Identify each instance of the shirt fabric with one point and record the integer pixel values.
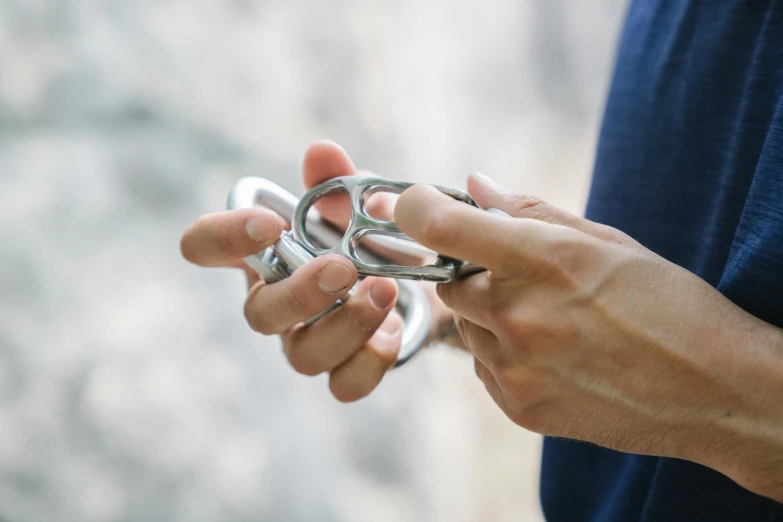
(690, 164)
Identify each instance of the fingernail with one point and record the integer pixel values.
(486, 180)
(381, 295)
(260, 229)
(334, 277)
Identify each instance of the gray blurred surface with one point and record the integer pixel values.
(130, 387)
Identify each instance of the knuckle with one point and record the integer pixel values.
(511, 322)
(563, 246)
(225, 240)
(445, 293)
(530, 207)
(258, 319)
(523, 327)
(566, 254)
(303, 364)
(345, 393)
(299, 303)
(521, 385)
(360, 320)
(357, 377)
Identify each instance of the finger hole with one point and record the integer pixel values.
(335, 208)
(380, 205)
(336, 211)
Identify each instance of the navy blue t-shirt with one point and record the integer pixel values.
(690, 164)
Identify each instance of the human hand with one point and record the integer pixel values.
(579, 331)
(357, 343)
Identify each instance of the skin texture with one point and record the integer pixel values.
(576, 329)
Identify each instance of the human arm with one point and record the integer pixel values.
(578, 331)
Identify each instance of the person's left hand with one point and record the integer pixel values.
(579, 331)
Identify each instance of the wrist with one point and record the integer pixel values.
(744, 439)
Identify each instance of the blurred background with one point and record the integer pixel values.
(130, 387)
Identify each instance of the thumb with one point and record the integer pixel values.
(489, 194)
(323, 161)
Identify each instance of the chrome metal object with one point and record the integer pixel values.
(363, 226)
(287, 254)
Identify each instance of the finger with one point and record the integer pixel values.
(337, 208)
(360, 374)
(274, 308)
(323, 161)
(333, 339)
(252, 276)
(222, 238)
(381, 205)
(481, 342)
(492, 386)
(450, 227)
(475, 298)
(489, 194)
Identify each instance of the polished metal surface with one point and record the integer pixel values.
(287, 254)
(362, 225)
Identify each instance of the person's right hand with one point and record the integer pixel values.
(357, 343)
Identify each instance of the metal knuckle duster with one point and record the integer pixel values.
(310, 236)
